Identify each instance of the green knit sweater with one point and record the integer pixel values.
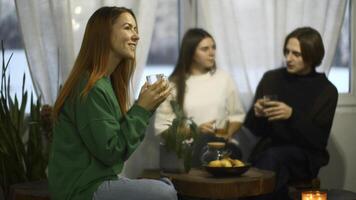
(91, 141)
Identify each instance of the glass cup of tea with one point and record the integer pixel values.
(221, 126)
(267, 98)
(270, 97)
(151, 79)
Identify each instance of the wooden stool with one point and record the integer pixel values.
(306, 184)
(296, 188)
(30, 191)
(2, 195)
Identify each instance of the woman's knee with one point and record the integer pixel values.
(136, 189)
(165, 192)
(170, 194)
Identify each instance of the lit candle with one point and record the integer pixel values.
(314, 195)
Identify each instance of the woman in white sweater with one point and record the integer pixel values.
(205, 93)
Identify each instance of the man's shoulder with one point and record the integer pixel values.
(329, 86)
(274, 73)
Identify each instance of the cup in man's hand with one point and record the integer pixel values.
(267, 98)
(270, 97)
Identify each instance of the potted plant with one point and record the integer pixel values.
(23, 141)
(178, 141)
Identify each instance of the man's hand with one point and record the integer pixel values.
(258, 108)
(277, 110)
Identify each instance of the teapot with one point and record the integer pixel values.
(214, 151)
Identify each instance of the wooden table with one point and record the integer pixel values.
(37, 190)
(200, 184)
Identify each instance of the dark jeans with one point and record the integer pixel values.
(290, 163)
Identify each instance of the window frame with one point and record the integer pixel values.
(349, 99)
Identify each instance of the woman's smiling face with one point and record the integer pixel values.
(124, 36)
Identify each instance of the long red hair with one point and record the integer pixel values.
(93, 58)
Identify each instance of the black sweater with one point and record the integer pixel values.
(313, 99)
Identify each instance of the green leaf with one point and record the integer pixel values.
(23, 84)
(19, 161)
(176, 136)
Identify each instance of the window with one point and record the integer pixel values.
(11, 35)
(165, 42)
(343, 73)
(340, 72)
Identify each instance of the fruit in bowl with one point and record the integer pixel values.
(226, 162)
(227, 167)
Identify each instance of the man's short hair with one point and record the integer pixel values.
(311, 45)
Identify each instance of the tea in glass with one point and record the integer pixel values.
(221, 127)
(151, 79)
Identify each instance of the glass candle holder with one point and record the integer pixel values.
(314, 195)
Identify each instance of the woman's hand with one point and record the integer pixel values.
(233, 128)
(277, 110)
(151, 96)
(207, 127)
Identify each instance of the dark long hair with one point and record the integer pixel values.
(93, 57)
(181, 72)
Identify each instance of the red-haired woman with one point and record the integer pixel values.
(94, 130)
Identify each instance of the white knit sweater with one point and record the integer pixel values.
(208, 97)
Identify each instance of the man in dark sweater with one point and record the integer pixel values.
(295, 127)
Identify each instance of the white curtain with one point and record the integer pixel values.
(250, 33)
(47, 35)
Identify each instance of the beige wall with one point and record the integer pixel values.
(341, 171)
